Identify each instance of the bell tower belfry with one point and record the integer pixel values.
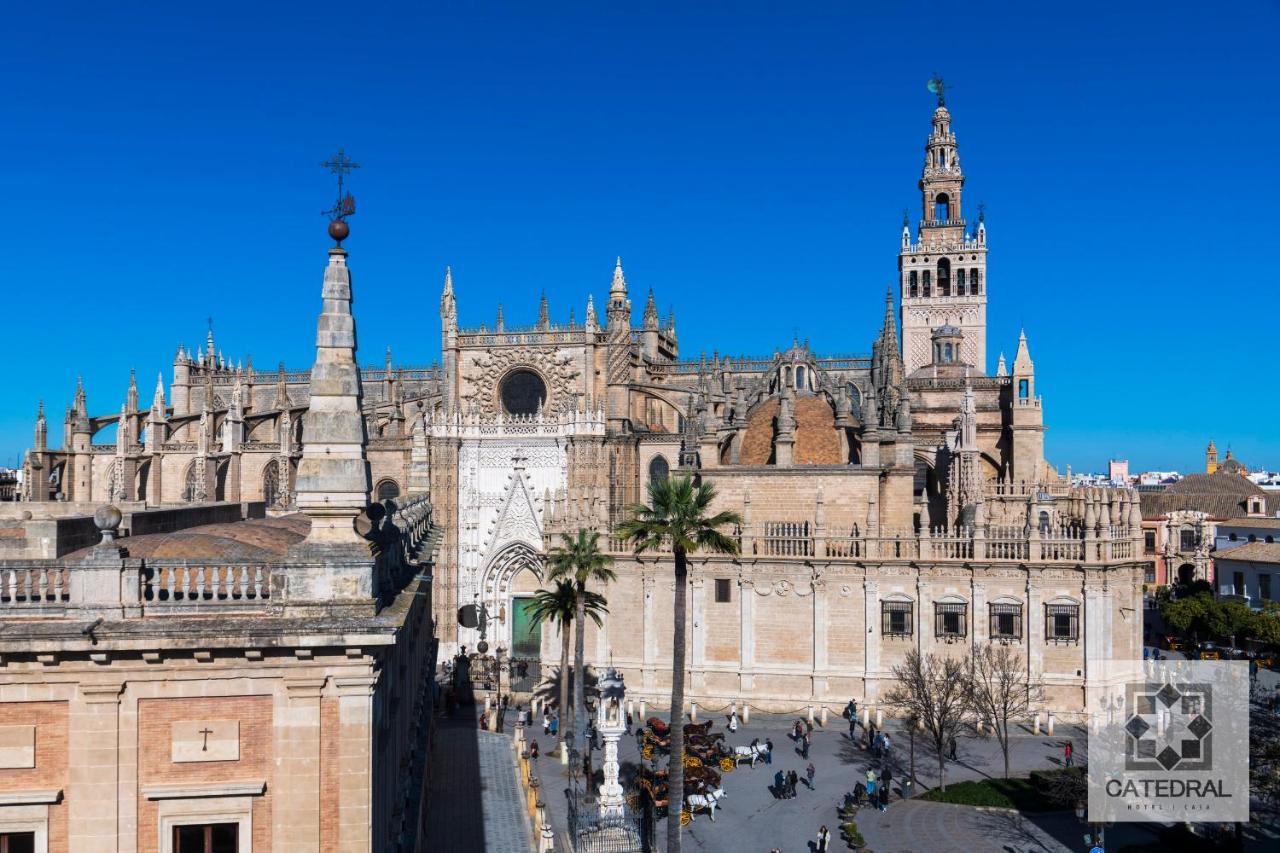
(943, 272)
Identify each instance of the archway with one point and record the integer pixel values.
(1186, 573)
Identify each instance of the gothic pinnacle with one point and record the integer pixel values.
(618, 287)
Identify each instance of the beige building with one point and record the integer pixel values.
(218, 681)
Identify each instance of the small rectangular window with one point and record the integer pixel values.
(1264, 586)
(1149, 542)
(949, 620)
(722, 591)
(17, 842)
(1006, 621)
(896, 618)
(1062, 622)
(1237, 579)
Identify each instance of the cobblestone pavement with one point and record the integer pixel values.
(916, 825)
(474, 802)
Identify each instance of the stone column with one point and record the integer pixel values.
(650, 654)
(93, 765)
(355, 761)
(698, 628)
(1035, 630)
(819, 638)
(295, 809)
(747, 635)
(871, 603)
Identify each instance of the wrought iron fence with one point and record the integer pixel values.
(590, 832)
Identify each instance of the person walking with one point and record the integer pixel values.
(809, 774)
(768, 755)
(805, 742)
(951, 748)
(533, 749)
(886, 788)
(871, 775)
(853, 727)
(779, 784)
(871, 789)
(887, 747)
(1068, 754)
(555, 725)
(824, 840)
(793, 779)
(546, 723)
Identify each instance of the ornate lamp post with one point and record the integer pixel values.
(611, 724)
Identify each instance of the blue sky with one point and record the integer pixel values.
(748, 161)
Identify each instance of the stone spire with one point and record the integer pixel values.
(650, 312)
(42, 428)
(80, 410)
(573, 320)
(592, 321)
(157, 400)
(1001, 369)
(618, 287)
(448, 304)
(544, 313)
(333, 476)
(1211, 458)
(282, 389)
(1022, 360)
(500, 324)
(784, 444)
(131, 396)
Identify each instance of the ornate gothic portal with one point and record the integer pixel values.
(503, 483)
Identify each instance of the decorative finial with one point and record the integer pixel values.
(341, 165)
(982, 211)
(939, 88)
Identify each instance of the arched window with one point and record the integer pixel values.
(659, 470)
(914, 287)
(942, 208)
(944, 277)
(855, 399)
(974, 288)
(1024, 389)
(523, 392)
(786, 374)
(946, 353)
(1044, 522)
(928, 289)
(800, 378)
(960, 282)
(271, 483)
(388, 490)
(191, 485)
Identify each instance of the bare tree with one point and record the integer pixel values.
(934, 690)
(1000, 692)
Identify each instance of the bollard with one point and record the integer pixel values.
(1050, 725)
(693, 712)
(519, 735)
(1035, 725)
(811, 715)
(866, 717)
(824, 716)
(642, 717)
(564, 754)
(746, 714)
(486, 704)
(630, 707)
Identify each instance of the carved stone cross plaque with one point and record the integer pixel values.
(205, 740)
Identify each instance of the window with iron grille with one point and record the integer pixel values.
(950, 620)
(1062, 622)
(895, 618)
(1006, 621)
(722, 590)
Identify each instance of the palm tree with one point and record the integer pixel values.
(677, 517)
(560, 605)
(579, 560)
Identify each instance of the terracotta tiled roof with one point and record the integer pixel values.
(1260, 523)
(261, 539)
(1221, 494)
(1254, 552)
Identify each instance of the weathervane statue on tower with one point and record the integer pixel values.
(341, 165)
(939, 88)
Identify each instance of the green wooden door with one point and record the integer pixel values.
(526, 637)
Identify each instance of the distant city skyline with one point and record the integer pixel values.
(749, 166)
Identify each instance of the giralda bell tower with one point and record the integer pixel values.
(943, 274)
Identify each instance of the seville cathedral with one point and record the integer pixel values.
(891, 501)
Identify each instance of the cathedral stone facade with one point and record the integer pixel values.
(894, 500)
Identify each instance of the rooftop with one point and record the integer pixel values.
(1254, 552)
(256, 540)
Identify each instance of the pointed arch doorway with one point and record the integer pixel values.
(511, 580)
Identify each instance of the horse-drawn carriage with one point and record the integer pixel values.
(701, 791)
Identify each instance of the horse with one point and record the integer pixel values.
(705, 801)
(751, 752)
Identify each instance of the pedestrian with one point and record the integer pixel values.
(809, 773)
(768, 755)
(804, 745)
(871, 788)
(851, 711)
(1068, 754)
(952, 747)
(533, 749)
(555, 724)
(797, 729)
(853, 727)
(887, 746)
(808, 725)
(733, 722)
(779, 784)
(793, 779)
(886, 788)
(877, 744)
(546, 723)
(628, 722)
(484, 721)
(824, 839)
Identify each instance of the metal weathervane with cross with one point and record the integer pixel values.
(340, 164)
(939, 88)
